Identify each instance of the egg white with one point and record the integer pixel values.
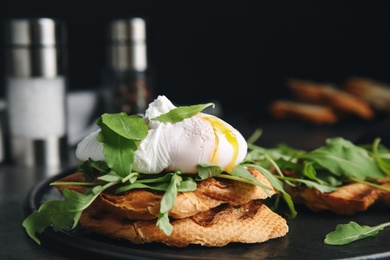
(201, 139)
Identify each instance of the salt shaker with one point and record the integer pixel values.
(36, 91)
(126, 83)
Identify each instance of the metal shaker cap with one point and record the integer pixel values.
(127, 44)
(127, 30)
(35, 47)
(35, 32)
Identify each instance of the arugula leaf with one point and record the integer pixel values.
(343, 158)
(282, 155)
(110, 177)
(158, 186)
(54, 213)
(347, 233)
(132, 177)
(131, 127)
(206, 171)
(309, 170)
(91, 169)
(118, 152)
(372, 184)
(167, 202)
(187, 184)
(160, 182)
(382, 156)
(241, 172)
(120, 134)
(311, 184)
(329, 179)
(180, 113)
(278, 185)
(59, 214)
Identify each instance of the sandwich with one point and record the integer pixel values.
(175, 176)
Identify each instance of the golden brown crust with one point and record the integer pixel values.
(327, 95)
(218, 212)
(145, 204)
(252, 222)
(346, 200)
(283, 109)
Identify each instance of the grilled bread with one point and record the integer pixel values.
(218, 212)
(346, 200)
(252, 222)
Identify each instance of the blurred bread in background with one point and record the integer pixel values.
(326, 103)
(283, 109)
(377, 94)
(329, 95)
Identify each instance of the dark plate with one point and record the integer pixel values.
(303, 241)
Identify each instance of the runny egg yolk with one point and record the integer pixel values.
(221, 128)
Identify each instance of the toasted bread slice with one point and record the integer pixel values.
(252, 222)
(346, 200)
(283, 109)
(328, 95)
(145, 204)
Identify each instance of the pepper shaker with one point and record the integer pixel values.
(36, 91)
(126, 83)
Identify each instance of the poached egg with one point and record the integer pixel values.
(181, 146)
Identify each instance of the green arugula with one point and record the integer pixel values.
(348, 233)
(278, 185)
(159, 182)
(180, 113)
(61, 214)
(342, 158)
(167, 202)
(239, 173)
(120, 135)
(326, 168)
(381, 154)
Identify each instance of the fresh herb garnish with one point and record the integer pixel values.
(330, 166)
(381, 155)
(91, 168)
(342, 158)
(61, 214)
(180, 113)
(326, 168)
(348, 233)
(120, 136)
(167, 202)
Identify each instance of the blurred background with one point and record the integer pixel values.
(237, 52)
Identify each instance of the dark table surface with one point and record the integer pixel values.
(17, 181)
(15, 185)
